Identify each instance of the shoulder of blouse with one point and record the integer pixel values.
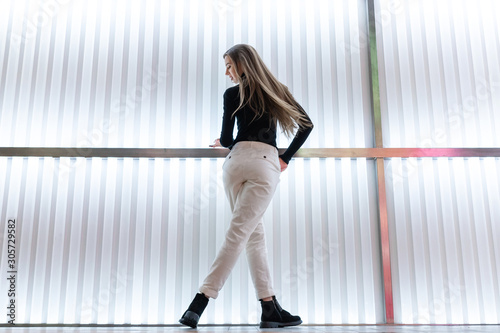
(232, 91)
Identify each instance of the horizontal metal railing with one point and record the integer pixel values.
(222, 152)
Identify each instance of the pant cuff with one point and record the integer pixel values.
(265, 294)
(209, 292)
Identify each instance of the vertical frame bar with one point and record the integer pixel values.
(384, 241)
(382, 199)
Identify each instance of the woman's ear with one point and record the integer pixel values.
(240, 69)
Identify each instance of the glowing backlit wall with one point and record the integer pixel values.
(130, 240)
(107, 240)
(439, 67)
(445, 239)
(122, 240)
(145, 74)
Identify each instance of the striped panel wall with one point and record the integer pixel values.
(118, 241)
(439, 67)
(439, 79)
(128, 241)
(445, 248)
(150, 73)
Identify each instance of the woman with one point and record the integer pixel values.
(251, 173)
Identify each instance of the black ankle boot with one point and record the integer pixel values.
(193, 313)
(274, 316)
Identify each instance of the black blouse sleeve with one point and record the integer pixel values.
(298, 141)
(226, 135)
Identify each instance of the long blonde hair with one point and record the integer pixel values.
(265, 92)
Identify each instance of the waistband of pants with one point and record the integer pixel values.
(257, 145)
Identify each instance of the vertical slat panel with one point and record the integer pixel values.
(439, 77)
(440, 69)
(150, 73)
(116, 240)
(443, 224)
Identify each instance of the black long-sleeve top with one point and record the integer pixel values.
(260, 129)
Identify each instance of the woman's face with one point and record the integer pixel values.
(230, 69)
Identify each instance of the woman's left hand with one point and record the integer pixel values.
(216, 144)
(283, 165)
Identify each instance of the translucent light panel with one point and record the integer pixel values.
(445, 239)
(113, 241)
(150, 73)
(439, 66)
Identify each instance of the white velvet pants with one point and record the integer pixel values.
(251, 173)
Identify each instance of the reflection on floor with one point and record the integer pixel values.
(297, 329)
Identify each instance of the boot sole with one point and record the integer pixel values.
(275, 324)
(190, 319)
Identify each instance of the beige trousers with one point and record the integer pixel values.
(251, 173)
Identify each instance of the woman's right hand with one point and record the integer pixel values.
(283, 165)
(216, 143)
